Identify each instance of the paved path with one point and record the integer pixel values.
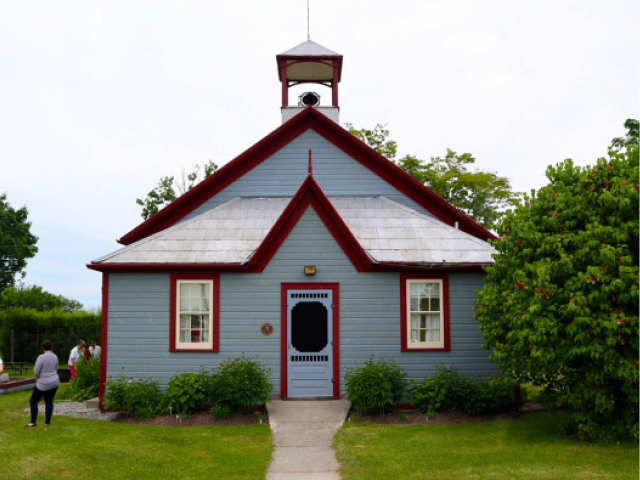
(303, 433)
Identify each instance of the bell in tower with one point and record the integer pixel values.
(309, 63)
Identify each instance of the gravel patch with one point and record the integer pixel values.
(78, 410)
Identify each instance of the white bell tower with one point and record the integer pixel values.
(309, 63)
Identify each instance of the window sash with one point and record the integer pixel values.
(425, 313)
(194, 315)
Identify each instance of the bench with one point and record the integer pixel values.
(17, 367)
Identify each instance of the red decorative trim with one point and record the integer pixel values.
(308, 118)
(403, 310)
(334, 84)
(215, 328)
(335, 289)
(104, 340)
(309, 194)
(283, 343)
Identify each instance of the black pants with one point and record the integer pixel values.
(36, 396)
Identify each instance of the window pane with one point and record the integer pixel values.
(434, 321)
(204, 305)
(435, 304)
(415, 321)
(205, 335)
(434, 290)
(424, 304)
(414, 303)
(414, 336)
(434, 335)
(184, 321)
(195, 336)
(423, 335)
(423, 321)
(184, 335)
(415, 289)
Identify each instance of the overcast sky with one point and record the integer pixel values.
(99, 99)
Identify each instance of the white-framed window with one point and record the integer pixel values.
(194, 319)
(425, 315)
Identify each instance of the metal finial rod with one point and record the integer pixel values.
(308, 31)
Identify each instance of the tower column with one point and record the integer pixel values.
(285, 87)
(334, 84)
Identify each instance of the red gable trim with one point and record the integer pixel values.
(309, 118)
(310, 194)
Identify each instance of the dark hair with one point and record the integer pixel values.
(46, 345)
(81, 342)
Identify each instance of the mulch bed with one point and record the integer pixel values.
(198, 420)
(443, 418)
(440, 418)
(392, 418)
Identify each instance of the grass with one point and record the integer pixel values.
(115, 451)
(531, 448)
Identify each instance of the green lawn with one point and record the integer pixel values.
(532, 448)
(80, 448)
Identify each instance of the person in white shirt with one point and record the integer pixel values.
(94, 349)
(73, 358)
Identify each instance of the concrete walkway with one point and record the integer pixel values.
(303, 433)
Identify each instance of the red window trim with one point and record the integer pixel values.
(403, 310)
(215, 328)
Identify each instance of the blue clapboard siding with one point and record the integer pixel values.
(369, 314)
(282, 174)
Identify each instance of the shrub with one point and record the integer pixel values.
(239, 384)
(185, 393)
(436, 393)
(482, 397)
(139, 398)
(86, 382)
(220, 412)
(376, 385)
(448, 389)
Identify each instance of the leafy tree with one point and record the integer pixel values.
(560, 304)
(480, 195)
(165, 193)
(17, 243)
(376, 139)
(33, 296)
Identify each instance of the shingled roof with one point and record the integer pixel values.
(389, 233)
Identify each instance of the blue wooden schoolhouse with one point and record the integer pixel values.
(309, 250)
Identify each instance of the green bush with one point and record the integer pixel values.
(141, 398)
(435, 394)
(448, 389)
(86, 382)
(239, 383)
(376, 385)
(185, 393)
(220, 412)
(31, 327)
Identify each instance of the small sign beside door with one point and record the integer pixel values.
(266, 329)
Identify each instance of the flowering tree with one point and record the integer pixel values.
(560, 304)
